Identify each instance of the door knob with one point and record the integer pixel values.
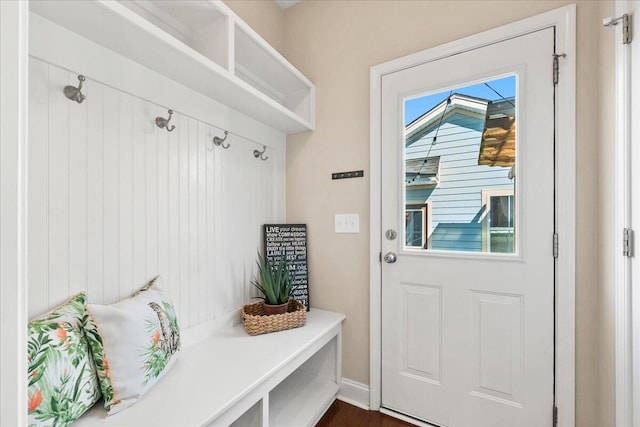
(390, 258)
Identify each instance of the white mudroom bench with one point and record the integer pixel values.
(229, 378)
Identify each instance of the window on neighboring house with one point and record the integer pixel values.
(498, 226)
(413, 225)
(416, 226)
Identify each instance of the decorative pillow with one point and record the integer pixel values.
(133, 342)
(62, 379)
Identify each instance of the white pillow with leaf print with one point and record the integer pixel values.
(62, 378)
(133, 343)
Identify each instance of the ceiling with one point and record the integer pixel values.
(287, 3)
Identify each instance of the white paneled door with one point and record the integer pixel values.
(467, 236)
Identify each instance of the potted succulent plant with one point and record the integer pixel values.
(275, 285)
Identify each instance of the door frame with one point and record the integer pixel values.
(627, 381)
(14, 21)
(564, 20)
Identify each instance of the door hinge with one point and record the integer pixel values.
(627, 242)
(555, 245)
(555, 416)
(380, 257)
(556, 66)
(626, 26)
(626, 29)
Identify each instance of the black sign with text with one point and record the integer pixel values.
(290, 240)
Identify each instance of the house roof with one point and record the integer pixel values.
(428, 170)
(460, 103)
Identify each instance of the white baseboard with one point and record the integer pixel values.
(357, 394)
(354, 393)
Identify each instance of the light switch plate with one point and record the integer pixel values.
(347, 223)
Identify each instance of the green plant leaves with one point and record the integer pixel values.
(274, 281)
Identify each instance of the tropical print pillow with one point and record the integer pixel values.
(133, 343)
(62, 379)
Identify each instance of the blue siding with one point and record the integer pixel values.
(456, 202)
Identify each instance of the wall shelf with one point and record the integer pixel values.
(200, 44)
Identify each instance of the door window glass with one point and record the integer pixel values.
(459, 148)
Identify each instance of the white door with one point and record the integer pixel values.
(468, 280)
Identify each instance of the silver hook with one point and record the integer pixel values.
(74, 93)
(217, 141)
(161, 122)
(259, 154)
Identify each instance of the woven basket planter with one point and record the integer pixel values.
(256, 322)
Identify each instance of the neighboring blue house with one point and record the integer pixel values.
(460, 176)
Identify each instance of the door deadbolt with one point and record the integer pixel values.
(391, 234)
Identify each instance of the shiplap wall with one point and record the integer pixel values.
(457, 200)
(114, 200)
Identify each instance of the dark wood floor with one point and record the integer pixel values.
(342, 414)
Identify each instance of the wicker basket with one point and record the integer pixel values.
(256, 322)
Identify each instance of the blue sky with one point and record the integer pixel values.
(414, 108)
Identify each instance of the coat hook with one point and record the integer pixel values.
(260, 154)
(217, 141)
(74, 93)
(161, 122)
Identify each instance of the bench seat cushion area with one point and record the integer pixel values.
(215, 380)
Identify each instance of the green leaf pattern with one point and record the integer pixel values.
(100, 360)
(155, 354)
(62, 381)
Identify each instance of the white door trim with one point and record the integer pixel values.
(13, 150)
(564, 19)
(624, 412)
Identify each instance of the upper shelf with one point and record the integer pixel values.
(201, 44)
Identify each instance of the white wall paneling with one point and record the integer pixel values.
(115, 200)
